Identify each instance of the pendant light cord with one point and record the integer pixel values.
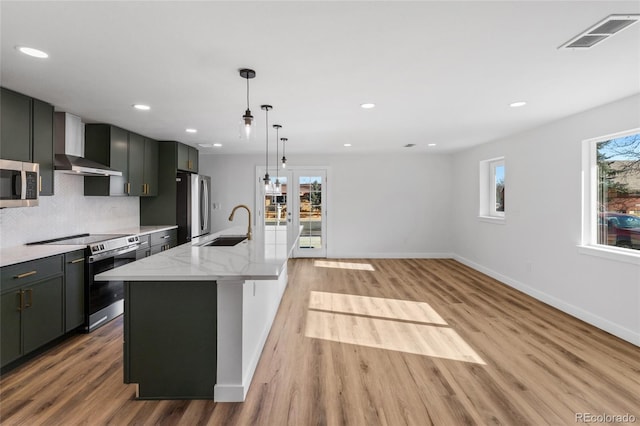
(267, 130)
(247, 92)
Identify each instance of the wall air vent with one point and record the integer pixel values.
(604, 29)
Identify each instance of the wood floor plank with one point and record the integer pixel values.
(365, 342)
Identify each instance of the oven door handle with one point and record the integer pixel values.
(101, 256)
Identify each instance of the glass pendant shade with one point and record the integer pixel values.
(284, 159)
(247, 118)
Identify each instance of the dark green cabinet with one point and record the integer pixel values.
(42, 319)
(163, 240)
(136, 156)
(10, 326)
(15, 134)
(187, 158)
(31, 298)
(170, 339)
(162, 209)
(136, 164)
(107, 145)
(27, 134)
(42, 115)
(143, 166)
(74, 290)
(150, 173)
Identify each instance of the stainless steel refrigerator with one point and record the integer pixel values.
(194, 206)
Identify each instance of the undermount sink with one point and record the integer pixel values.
(227, 240)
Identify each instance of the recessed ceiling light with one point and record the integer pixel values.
(347, 144)
(217, 145)
(191, 130)
(517, 104)
(32, 52)
(206, 145)
(142, 107)
(432, 144)
(368, 106)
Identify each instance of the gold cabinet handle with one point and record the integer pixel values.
(30, 302)
(40, 184)
(26, 274)
(77, 260)
(21, 306)
(127, 188)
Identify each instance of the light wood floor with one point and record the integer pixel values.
(413, 342)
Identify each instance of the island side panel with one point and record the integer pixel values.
(229, 385)
(246, 310)
(170, 338)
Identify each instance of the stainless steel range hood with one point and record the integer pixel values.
(69, 143)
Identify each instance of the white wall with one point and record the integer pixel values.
(535, 250)
(378, 205)
(68, 212)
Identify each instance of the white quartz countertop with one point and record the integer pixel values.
(25, 253)
(143, 230)
(262, 258)
(19, 254)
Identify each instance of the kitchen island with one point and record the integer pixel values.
(197, 317)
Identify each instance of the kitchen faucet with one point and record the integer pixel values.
(248, 211)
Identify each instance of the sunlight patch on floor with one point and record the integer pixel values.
(343, 265)
(392, 324)
(421, 339)
(406, 310)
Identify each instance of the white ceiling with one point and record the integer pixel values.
(439, 72)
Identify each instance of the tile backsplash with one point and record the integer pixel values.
(68, 212)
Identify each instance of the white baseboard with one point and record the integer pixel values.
(595, 320)
(229, 393)
(390, 255)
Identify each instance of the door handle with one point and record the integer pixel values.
(77, 260)
(26, 274)
(30, 302)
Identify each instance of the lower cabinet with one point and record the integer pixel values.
(31, 299)
(42, 314)
(74, 290)
(163, 240)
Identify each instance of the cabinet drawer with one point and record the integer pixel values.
(164, 236)
(28, 272)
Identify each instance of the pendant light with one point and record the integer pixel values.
(277, 187)
(284, 159)
(266, 179)
(247, 118)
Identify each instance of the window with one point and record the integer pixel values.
(492, 188)
(612, 191)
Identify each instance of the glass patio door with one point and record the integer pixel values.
(309, 211)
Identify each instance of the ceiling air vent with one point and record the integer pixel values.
(410, 145)
(604, 29)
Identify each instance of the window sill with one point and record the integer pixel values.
(492, 219)
(619, 255)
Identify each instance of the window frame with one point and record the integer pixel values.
(487, 190)
(589, 235)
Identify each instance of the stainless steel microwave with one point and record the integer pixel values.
(19, 183)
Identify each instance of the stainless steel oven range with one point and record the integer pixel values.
(104, 300)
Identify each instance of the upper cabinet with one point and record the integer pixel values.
(107, 145)
(16, 126)
(134, 155)
(143, 166)
(27, 134)
(43, 152)
(187, 158)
